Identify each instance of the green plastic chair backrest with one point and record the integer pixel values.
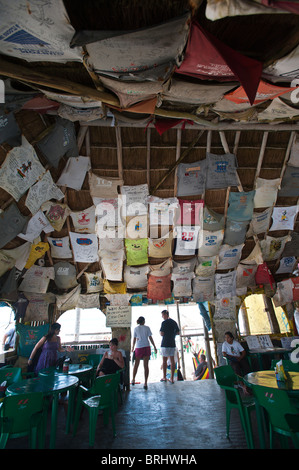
(94, 359)
(20, 408)
(225, 376)
(105, 386)
(10, 375)
(279, 407)
(287, 364)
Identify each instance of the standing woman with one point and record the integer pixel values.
(142, 335)
(50, 345)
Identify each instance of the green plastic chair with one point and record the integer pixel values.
(10, 375)
(22, 415)
(287, 364)
(101, 396)
(227, 380)
(94, 360)
(283, 415)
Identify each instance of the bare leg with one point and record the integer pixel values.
(164, 367)
(136, 365)
(172, 368)
(146, 369)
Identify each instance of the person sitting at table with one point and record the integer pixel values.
(47, 346)
(112, 360)
(235, 354)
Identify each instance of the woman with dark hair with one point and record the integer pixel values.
(50, 345)
(142, 335)
(112, 360)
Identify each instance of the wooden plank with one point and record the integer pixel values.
(148, 156)
(20, 72)
(177, 156)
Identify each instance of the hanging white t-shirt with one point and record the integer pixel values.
(142, 332)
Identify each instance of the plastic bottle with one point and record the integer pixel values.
(65, 367)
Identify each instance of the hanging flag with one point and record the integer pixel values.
(265, 91)
(206, 57)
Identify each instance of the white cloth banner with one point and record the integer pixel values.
(225, 284)
(84, 221)
(260, 222)
(110, 244)
(286, 265)
(206, 266)
(112, 264)
(37, 31)
(102, 187)
(225, 309)
(36, 225)
(137, 227)
(37, 279)
(186, 240)
(162, 211)
(68, 301)
(284, 218)
(182, 284)
(42, 191)
(211, 243)
(108, 212)
(94, 282)
(85, 247)
(88, 301)
(284, 293)
(134, 199)
(266, 192)
(20, 170)
(135, 277)
(229, 256)
(272, 248)
(74, 172)
(60, 247)
(203, 288)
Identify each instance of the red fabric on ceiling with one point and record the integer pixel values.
(207, 57)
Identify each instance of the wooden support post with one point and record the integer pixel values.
(271, 315)
(148, 156)
(181, 341)
(208, 351)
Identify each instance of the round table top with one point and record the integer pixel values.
(47, 385)
(267, 378)
(74, 369)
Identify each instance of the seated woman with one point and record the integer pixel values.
(112, 361)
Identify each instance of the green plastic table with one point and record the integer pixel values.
(268, 352)
(50, 385)
(267, 378)
(78, 370)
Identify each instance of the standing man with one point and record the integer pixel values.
(169, 329)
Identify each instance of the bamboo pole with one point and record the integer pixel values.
(181, 341)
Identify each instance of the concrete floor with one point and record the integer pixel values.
(184, 415)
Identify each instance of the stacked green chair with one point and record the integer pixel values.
(287, 364)
(23, 415)
(282, 413)
(227, 380)
(101, 396)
